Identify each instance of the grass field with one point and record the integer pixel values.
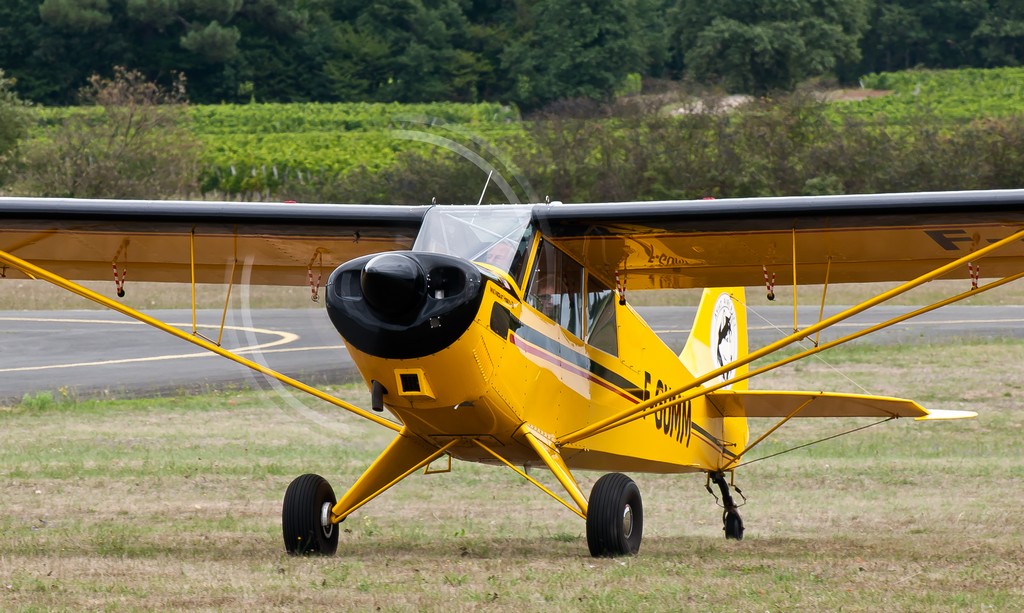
(174, 504)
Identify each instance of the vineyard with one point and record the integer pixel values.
(958, 96)
(249, 148)
(255, 148)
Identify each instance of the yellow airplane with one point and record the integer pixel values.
(504, 334)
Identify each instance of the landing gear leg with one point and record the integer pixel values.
(733, 523)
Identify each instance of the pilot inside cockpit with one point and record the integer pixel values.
(556, 288)
(499, 254)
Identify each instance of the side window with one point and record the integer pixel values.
(556, 288)
(601, 330)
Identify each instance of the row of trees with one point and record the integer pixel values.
(528, 52)
(787, 146)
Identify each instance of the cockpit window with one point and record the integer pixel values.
(556, 288)
(493, 234)
(601, 329)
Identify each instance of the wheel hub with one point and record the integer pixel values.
(325, 519)
(627, 521)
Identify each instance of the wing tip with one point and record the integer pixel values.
(946, 414)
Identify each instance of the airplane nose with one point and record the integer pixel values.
(404, 304)
(393, 284)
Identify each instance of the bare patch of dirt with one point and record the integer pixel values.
(722, 104)
(853, 94)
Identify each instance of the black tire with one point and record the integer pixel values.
(733, 526)
(615, 517)
(300, 517)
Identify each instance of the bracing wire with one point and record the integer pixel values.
(803, 344)
(821, 440)
(834, 369)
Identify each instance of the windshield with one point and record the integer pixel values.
(493, 234)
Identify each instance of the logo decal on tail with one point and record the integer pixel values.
(724, 336)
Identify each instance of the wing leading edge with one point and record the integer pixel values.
(834, 239)
(272, 244)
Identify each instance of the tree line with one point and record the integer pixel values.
(792, 145)
(526, 52)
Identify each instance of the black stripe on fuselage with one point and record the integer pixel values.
(503, 322)
(563, 352)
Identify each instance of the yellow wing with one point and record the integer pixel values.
(859, 238)
(647, 245)
(269, 244)
(764, 403)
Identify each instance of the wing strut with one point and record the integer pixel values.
(404, 456)
(694, 389)
(37, 272)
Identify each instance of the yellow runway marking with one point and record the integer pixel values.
(284, 338)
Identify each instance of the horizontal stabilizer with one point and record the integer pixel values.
(765, 403)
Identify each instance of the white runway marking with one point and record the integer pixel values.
(283, 338)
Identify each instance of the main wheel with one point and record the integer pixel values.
(305, 517)
(615, 517)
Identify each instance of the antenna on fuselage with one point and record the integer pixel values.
(486, 183)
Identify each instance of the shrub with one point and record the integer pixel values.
(137, 145)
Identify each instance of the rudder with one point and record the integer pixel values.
(718, 335)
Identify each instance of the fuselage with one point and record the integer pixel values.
(470, 350)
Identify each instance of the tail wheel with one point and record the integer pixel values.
(305, 517)
(733, 525)
(615, 517)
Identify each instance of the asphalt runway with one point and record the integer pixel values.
(101, 353)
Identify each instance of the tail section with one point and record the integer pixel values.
(719, 334)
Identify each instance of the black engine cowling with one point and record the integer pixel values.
(403, 304)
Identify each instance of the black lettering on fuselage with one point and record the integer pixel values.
(673, 421)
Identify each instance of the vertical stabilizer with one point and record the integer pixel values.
(719, 334)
